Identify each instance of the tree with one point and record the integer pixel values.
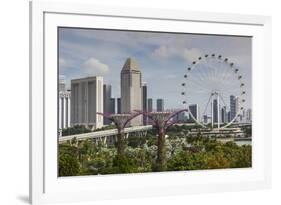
(68, 162)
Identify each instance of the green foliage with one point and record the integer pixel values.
(108, 127)
(136, 141)
(68, 161)
(187, 161)
(248, 131)
(183, 152)
(77, 129)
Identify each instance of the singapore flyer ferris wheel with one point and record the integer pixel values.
(213, 91)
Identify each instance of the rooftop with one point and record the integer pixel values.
(131, 64)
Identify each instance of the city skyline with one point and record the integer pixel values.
(84, 52)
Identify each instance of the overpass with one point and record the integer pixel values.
(107, 136)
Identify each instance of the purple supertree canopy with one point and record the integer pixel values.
(120, 120)
(163, 119)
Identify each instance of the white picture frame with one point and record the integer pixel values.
(46, 187)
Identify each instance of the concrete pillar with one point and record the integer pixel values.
(64, 112)
(60, 111)
(69, 112)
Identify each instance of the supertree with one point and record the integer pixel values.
(161, 121)
(120, 121)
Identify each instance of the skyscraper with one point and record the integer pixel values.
(63, 106)
(112, 105)
(131, 90)
(160, 105)
(149, 104)
(87, 100)
(233, 107)
(119, 105)
(228, 116)
(223, 115)
(106, 102)
(249, 115)
(144, 102)
(205, 119)
(61, 84)
(194, 109)
(215, 110)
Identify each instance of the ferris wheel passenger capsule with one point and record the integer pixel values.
(226, 59)
(231, 64)
(183, 84)
(199, 58)
(194, 62)
(185, 76)
(239, 77)
(183, 93)
(206, 56)
(219, 56)
(213, 55)
(188, 68)
(242, 84)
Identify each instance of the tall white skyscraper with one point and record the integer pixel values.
(64, 102)
(131, 90)
(87, 100)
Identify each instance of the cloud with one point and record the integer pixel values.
(93, 67)
(191, 54)
(166, 51)
(61, 62)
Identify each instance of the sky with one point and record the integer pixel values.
(163, 59)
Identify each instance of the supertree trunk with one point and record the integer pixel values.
(120, 142)
(161, 152)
